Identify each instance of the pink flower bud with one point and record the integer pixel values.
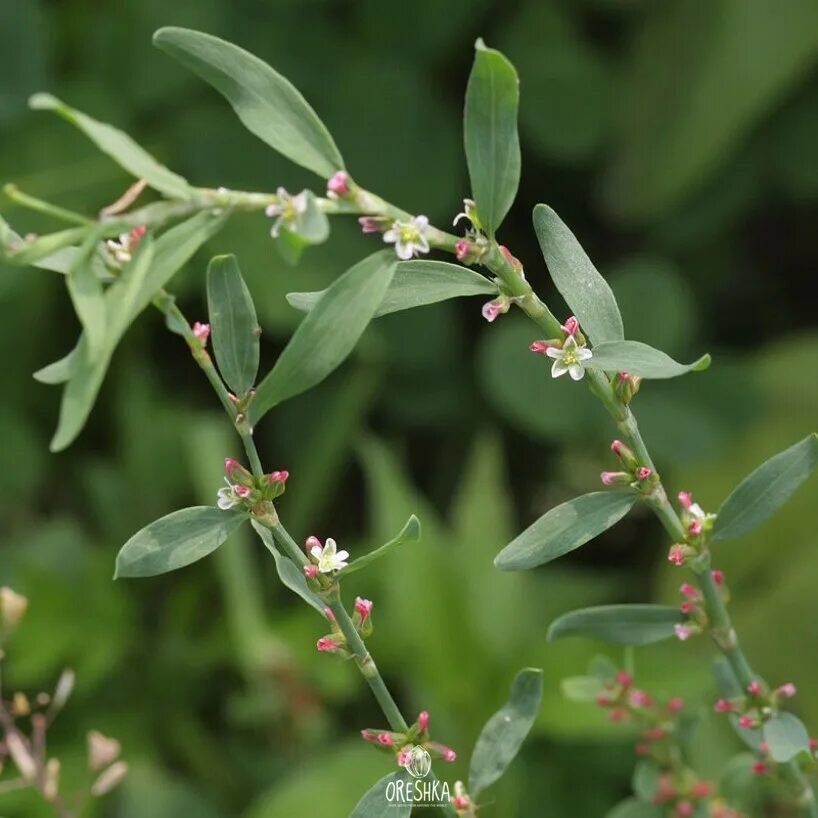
(763, 747)
(615, 478)
(461, 802)
(754, 688)
(461, 249)
(723, 706)
(201, 331)
(638, 698)
(338, 183)
(449, 755)
(369, 224)
(328, 613)
(490, 311)
(746, 722)
(813, 744)
(403, 758)
(137, 234)
(683, 632)
(507, 254)
(675, 704)
(624, 678)
(570, 326)
(369, 735)
(617, 446)
(654, 734)
(718, 577)
(687, 607)
(676, 555)
(686, 589)
(310, 571)
(384, 739)
(617, 715)
(602, 700)
(684, 809)
(232, 398)
(642, 749)
(759, 768)
(423, 721)
(326, 645)
(241, 491)
(363, 607)
(685, 499)
(311, 542)
(694, 528)
(231, 465)
(643, 472)
(787, 690)
(538, 347)
(701, 789)
(279, 477)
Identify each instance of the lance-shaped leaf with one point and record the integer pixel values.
(504, 733)
(585, 291)
(327, 334)
(233, 324)
(40, 251)
(288, 571)
(374, 804)
(490, 135)
(124, 300)
(87, 296)
(60, 371)
(764, 491)
(409, 533)
(120, 147)
(786, 737)
(637, 358)
(619, 624)
(176, 540)
(415, 284)
(268, 104)
(564, 528)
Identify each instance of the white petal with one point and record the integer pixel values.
(330, 547)
(576, 371)
(272, 210)
(554, 352)
(316, 552)
(570, 343)
(558, 369)
(404, 251)
(422, 245)
(421, 222)
(341, 556)
(390, 235)
(584, 354)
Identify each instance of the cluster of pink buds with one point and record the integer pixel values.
(201, 332)
(569, 353)
(626, 386)
(339, 185)
(411, 747)
(633, 474)
(757, 704)
(696, 521)
(693, 608)
(374, 224)
(624, 702)
(461, 802)
(335, 641)
(124, 249)
(682, 796)
(244, 489)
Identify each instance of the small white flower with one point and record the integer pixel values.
(569, 359)
(288, 211)
(123, 250)
(226, 497)
(409, 238)
(329, 558)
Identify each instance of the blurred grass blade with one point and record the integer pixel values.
(288, 571)
(786, 737)
(503, 735)
(87, 295)
(637, 358)
(764, 491)
(327, 334)
(415, 284)
(233, 324)
(585, 291)
(120, 147)
(409, 533)
(374, 803)
(124, 300)
(619, 624)
(490, 135)
(565, 528)
(268, 104)
(176, 540)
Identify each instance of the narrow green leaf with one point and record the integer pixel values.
(585, 291)
(409, 533)
(564, 528)
(268, 104)
(60, 371)
(786, 737)
(22, 252)
(374, 804)
(124, 300)
(619, 624)
(120, 147)
(415, 284)
(504, 733)
(764, 491)
(87, 296)
(328, 334)
(490, 135)
(288, 571)
(582, 688)
(637, 358)
(233, 324)
(634, 808)
(176, 540)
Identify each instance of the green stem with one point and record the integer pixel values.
(38, 205)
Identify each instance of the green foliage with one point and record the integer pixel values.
(372, 804)
(503, 735)
(565, 528)
(409, 533)
(176, 540)
(328, 334)
(634, 808)
(490, 135)
(638, 624)
(87, 295)
(786, 737)
(764, 491)
(267, 103)
(233, 324)
(637, 358)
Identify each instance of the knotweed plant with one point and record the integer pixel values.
(121, 261)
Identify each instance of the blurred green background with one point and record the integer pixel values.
(680, 142)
